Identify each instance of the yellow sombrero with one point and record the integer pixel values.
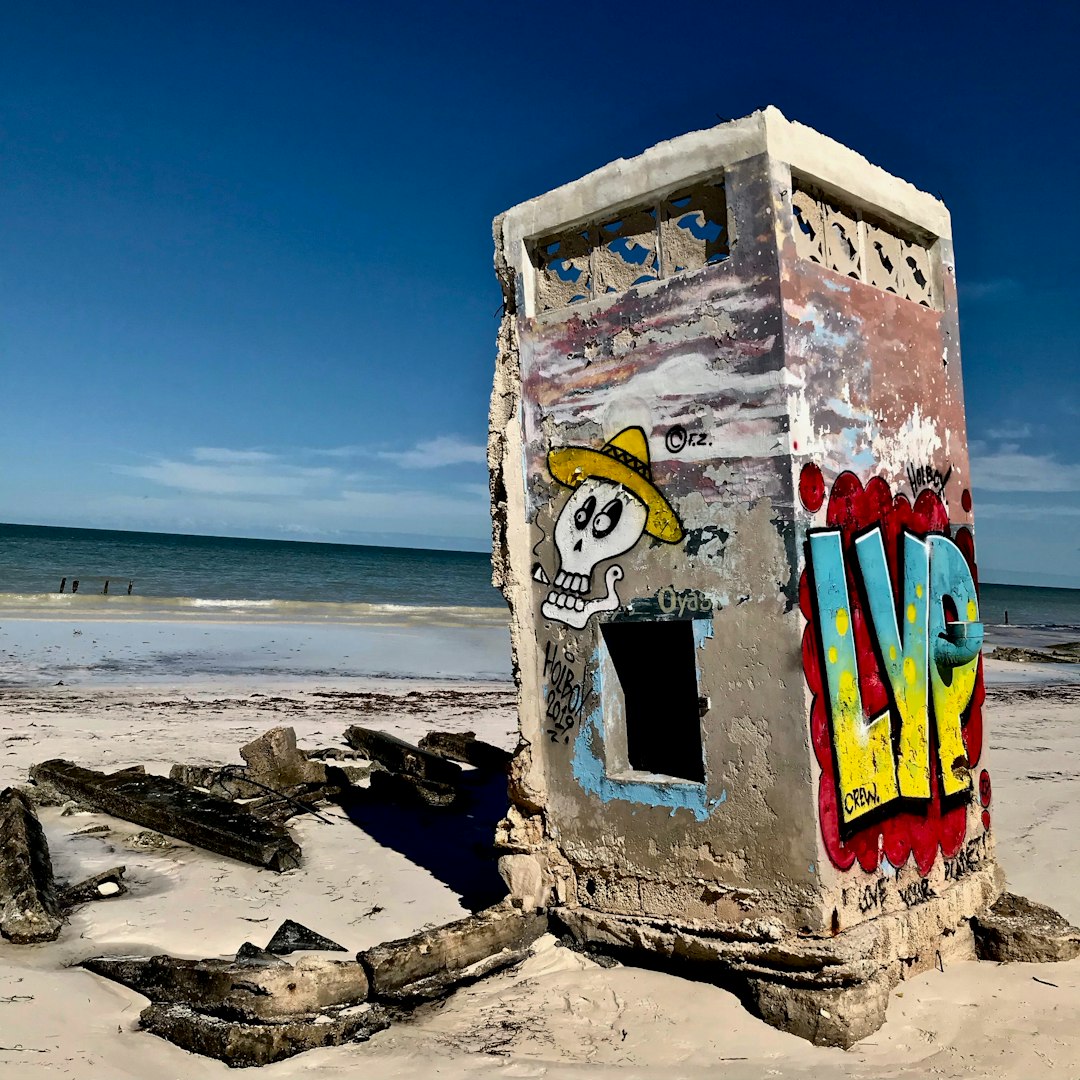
(625, 460)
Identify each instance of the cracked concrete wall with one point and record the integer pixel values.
(646, 447)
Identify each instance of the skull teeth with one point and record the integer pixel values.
(560, 599)
(578, 583)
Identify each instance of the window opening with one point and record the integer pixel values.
(656, 666)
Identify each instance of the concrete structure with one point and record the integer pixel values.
(733, 523)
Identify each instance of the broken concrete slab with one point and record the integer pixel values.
(251, 954)
(465, 746)
(411, 790)
(241, 989)
(104, 886)
(1016, 930)
(242, 1045)
(157, 802)
(292, 936)
(29, 908)
(401, 757)
(398, 970)
(274, 760)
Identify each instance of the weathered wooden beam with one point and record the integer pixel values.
(29, 908)
(242, 1045)
(157, 802)
(103, 886)
(465, 746)
(401, 757)
(448, 955)
(249, 989)
(412, 791)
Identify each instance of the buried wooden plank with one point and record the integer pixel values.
(396, 966)
(401, 757)
(29, 906)
(242, 1045)
(465, 746)
(103, 886)
(250, 988)
(157, 802)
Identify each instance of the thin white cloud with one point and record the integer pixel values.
(1010, 470)
(222, 456)
(438, 452)
(1011, 430)
(993, 287)
(244, 477)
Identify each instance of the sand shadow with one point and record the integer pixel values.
(455, 845)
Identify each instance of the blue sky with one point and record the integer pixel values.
(245, 254)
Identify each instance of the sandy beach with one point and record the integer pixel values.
(559, 1014)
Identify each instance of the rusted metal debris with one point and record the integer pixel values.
(157, 802)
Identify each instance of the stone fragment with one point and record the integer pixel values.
(526, 881)
(242, 989)
(401, 969)
(827, 1016)
(242, 1045)
(166, 805)
(411, 790)
(292, 936)
(250, 954)
(274, 760)
(29, 909)
(1016, 929)
(101, 886)
(465, 746)
(401, 757)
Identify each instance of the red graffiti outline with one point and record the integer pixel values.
(852, 509)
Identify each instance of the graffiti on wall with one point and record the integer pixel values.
(613, 503)
(891, 653)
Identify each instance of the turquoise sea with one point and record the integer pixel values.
(228, 571)
(170, 572)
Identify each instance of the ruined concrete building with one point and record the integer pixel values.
(733, 521)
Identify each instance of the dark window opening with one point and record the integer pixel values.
(655, 665)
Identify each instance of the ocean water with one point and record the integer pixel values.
(172, 571)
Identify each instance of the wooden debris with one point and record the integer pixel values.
(103, 886)
(248, 989)
(411, 790)
(242, 1045)
(465, 746)
(401, 757)
(449, 955)
(166, 805)
(295, 937)
(29, 908)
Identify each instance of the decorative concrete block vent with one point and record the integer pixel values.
(733, 521)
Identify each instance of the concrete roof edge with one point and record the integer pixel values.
(837, 166)
(629, 181)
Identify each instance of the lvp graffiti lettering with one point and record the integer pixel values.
(565, 692)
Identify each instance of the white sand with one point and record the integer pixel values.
(559, 1015)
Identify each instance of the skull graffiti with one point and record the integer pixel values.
(612, 505)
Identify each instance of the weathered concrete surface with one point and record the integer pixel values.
(242, 1045)
(1017, 930)
(156, 802)
(789, 979)
(433, 961)
(29, 908)
(248, 989)
(401, 757)
(465, 746)
(292, 936)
